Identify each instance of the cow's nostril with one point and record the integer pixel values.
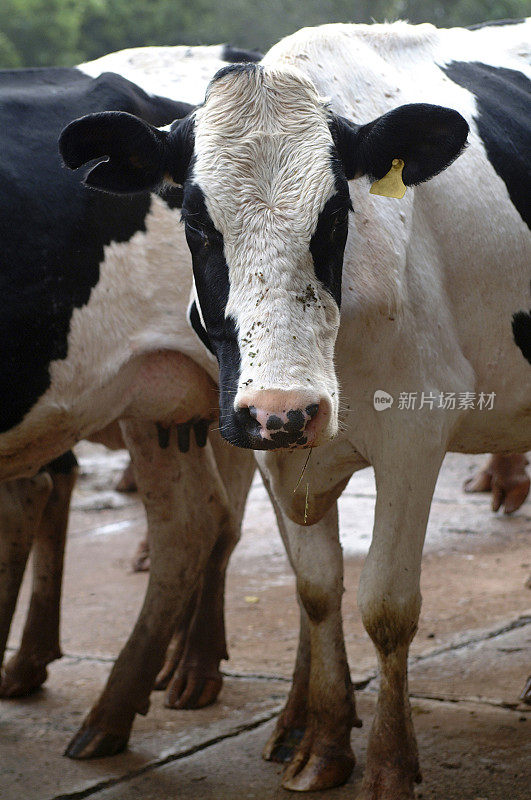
(312, 410)
(295, 421)
(247, 419)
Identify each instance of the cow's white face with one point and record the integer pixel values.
(263, 182)
(264, 168)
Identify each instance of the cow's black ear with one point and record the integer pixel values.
(134, 151)
(426, 137)
(138, 156)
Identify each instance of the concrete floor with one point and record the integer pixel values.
(469, 660)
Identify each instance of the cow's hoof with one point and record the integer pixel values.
(21, 678)
(92, 742)
(173, 658)
(192, 688)
(385, 787)
(313, 772)
(511, 497)
(390, 783)
(164, 677)
(25, 672)
(282, 744)
(319, 762)
(525, 697)
(480, 482)
(506, 478)
(140, 561)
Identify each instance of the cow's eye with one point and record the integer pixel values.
(340, 218)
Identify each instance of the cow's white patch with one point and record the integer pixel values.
(179, 73)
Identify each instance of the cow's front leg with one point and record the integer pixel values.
(26, 669)
(22, 502)
(186, 507)
(389, 600)
(324, 757)
(291, 723)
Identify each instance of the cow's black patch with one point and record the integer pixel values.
(494, 22)
(172, 196)
(52, 229)
(211, 273)
(504, 123)
(235, 55)
(327, 244)
(228, 354)
(211, 277)
(195, 322)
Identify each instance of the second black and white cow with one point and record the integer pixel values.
(93, 330)
(428, 287)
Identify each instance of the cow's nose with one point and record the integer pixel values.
(275, 419)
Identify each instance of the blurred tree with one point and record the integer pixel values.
(461, 12)
(40, 32)
(9, 55)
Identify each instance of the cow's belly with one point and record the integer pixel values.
(491, 432)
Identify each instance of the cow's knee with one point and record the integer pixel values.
(390, 618)
(319, 598)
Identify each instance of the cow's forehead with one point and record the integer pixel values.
(263, 147)
(243, 96)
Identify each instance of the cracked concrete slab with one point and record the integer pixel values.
(467, 752)
(35, 731)
(492, 671)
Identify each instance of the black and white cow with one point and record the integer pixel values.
(55, 265)
(93, 329)
(271, 166)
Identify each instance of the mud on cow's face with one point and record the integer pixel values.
(264, 165)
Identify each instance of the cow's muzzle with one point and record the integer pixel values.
(274, 419)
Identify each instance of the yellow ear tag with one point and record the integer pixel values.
(391, 185)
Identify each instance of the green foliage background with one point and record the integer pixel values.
(66, 32)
